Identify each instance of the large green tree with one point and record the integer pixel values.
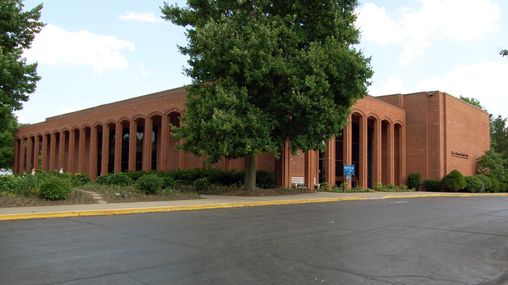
(265, 72)
(7, 140)
(17, 77)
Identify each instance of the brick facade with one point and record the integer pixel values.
(385, 138)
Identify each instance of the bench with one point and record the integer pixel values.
(297, 182)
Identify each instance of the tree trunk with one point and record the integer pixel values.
(250, 172)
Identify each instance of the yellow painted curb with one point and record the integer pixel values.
(106, 212)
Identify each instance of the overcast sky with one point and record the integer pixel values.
(93, 52)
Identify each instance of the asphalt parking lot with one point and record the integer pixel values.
(412, 241)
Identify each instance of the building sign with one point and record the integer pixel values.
(349, 170)
(460, 155)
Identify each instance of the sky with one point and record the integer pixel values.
(93, 52)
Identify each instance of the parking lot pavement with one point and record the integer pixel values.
(394, 241)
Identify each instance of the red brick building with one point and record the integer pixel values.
(386, 138)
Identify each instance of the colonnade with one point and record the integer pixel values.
(376, 146)
(140, 143)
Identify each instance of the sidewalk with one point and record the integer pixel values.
(211, 202)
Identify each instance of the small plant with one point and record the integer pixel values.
(116, 179)
(432, 185)
(55, 189)
(79, 179)
(496, 186)
(413, 180)
(265, 179)
(378, 187)
(150, 184)
(201, 184)
(454, 181)
(474, 184)
(487, 182)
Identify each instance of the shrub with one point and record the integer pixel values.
(135, 175)
(265, 179)
(168, 181)
(79, 179)
(474, 184)
(413, 180)
(8, 184)
(487, 182)
(55, 189)
(454, 181)
(432, 185)
(496, 186)
(116, 179)
(201, 184)
(150, 184)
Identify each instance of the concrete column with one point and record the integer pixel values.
(52, 153)
(72, 150)
(118, 147)
(61, 151)
(310, 169)
(22, 156)
(15, 168)
(348, 148)
(402, 155)
(330, 157)
(105, 150)
(82, 151)
(29, 152)
(363, 170)
(391, 152)
(92, 172)
(132, 145)
(147, 145)
(45, 158)
(35, 164)
(163, 154)
(377, 153)
(286, 165)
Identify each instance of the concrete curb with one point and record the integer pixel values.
(107, 212)
(142, 210)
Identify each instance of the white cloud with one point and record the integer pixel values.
(393, 85)
(141, 17)
(485, 81)
(433, 21)
(56, 46)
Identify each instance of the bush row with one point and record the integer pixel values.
(47, 185)
(455, 181)
(199, 179)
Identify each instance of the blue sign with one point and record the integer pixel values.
(349, 169)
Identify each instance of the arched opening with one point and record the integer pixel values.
(173, 153)
(372, 155)
(356, 119)
(156, 141)
(38, 151)
(124, 160)
(397, 153)
(140, 130)
(65, 141)
(385, 159)
(74, 150)
(86, 159)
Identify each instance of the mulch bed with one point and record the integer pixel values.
(75, 197)
(123, 196)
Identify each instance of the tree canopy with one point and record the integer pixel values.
(504, 52)
(473, 101)
(267, 71)
(18, 78)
